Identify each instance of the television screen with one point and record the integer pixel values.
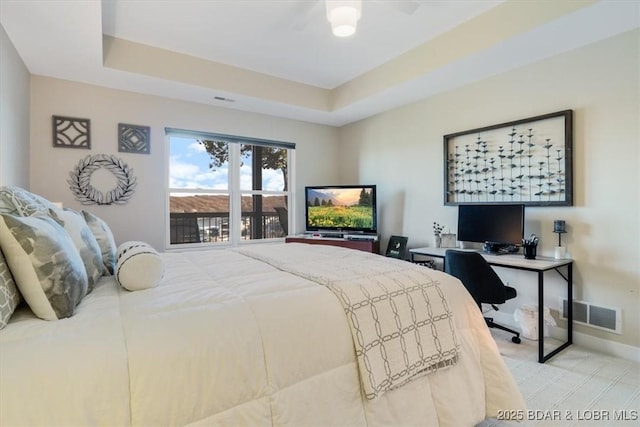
(346, 208)
(491, 223)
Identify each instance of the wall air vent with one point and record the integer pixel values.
(595, 316)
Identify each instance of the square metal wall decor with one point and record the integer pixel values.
(527, 161)
(71, 132)
(134, 139)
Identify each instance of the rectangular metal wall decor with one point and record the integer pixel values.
(71, 132)
(526, 161)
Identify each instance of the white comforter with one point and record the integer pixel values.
(226, 339)
(399, 318)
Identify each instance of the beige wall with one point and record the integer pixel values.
(142, 218)
(14, 116)
(402, 151)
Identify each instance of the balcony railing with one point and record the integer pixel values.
(204, 227)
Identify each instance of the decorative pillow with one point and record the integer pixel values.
(104, 236)
(84, 241)
(18, 201)
(9, 294)
(45, 264)
(138, 266)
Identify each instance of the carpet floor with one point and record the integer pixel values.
(576, 387)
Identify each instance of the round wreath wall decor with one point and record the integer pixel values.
(87, 194)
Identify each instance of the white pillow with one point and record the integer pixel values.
(45, 264)
(138, 266)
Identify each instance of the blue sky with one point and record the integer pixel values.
(189, 168)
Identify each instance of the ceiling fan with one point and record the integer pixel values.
(344, 14)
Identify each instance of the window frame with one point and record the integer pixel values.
(234, 189)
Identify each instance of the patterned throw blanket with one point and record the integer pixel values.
(400, 321)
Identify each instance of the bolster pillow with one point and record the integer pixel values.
(138, 266)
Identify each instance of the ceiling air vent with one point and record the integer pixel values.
(222, 98)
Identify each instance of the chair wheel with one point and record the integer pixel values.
(516, 340)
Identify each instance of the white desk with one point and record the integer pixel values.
(539, 265)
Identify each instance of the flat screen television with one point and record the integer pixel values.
(497, 224)
(341, 208)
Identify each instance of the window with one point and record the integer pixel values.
(226, 189)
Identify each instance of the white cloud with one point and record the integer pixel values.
(196, 147)
(272, 180)
(189, 175)
(189, 168)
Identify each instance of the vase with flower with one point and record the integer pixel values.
(437, 238)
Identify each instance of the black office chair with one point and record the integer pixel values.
(481, 281)
(184, 230)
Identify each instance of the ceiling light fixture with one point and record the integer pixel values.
(343, 16)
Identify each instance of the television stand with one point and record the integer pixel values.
(368, 245)
(331, 234)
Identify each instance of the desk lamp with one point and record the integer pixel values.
(560, 227)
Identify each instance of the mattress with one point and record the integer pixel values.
(240, 337)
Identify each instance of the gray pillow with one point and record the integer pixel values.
(45, 264)
(104, 236)
(84, 241)
(9, 294)
(18, 201)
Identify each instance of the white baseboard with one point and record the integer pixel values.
(600, 345)
(612, 348)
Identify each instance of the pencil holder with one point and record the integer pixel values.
(529, 251)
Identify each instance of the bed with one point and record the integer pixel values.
(259, 335)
